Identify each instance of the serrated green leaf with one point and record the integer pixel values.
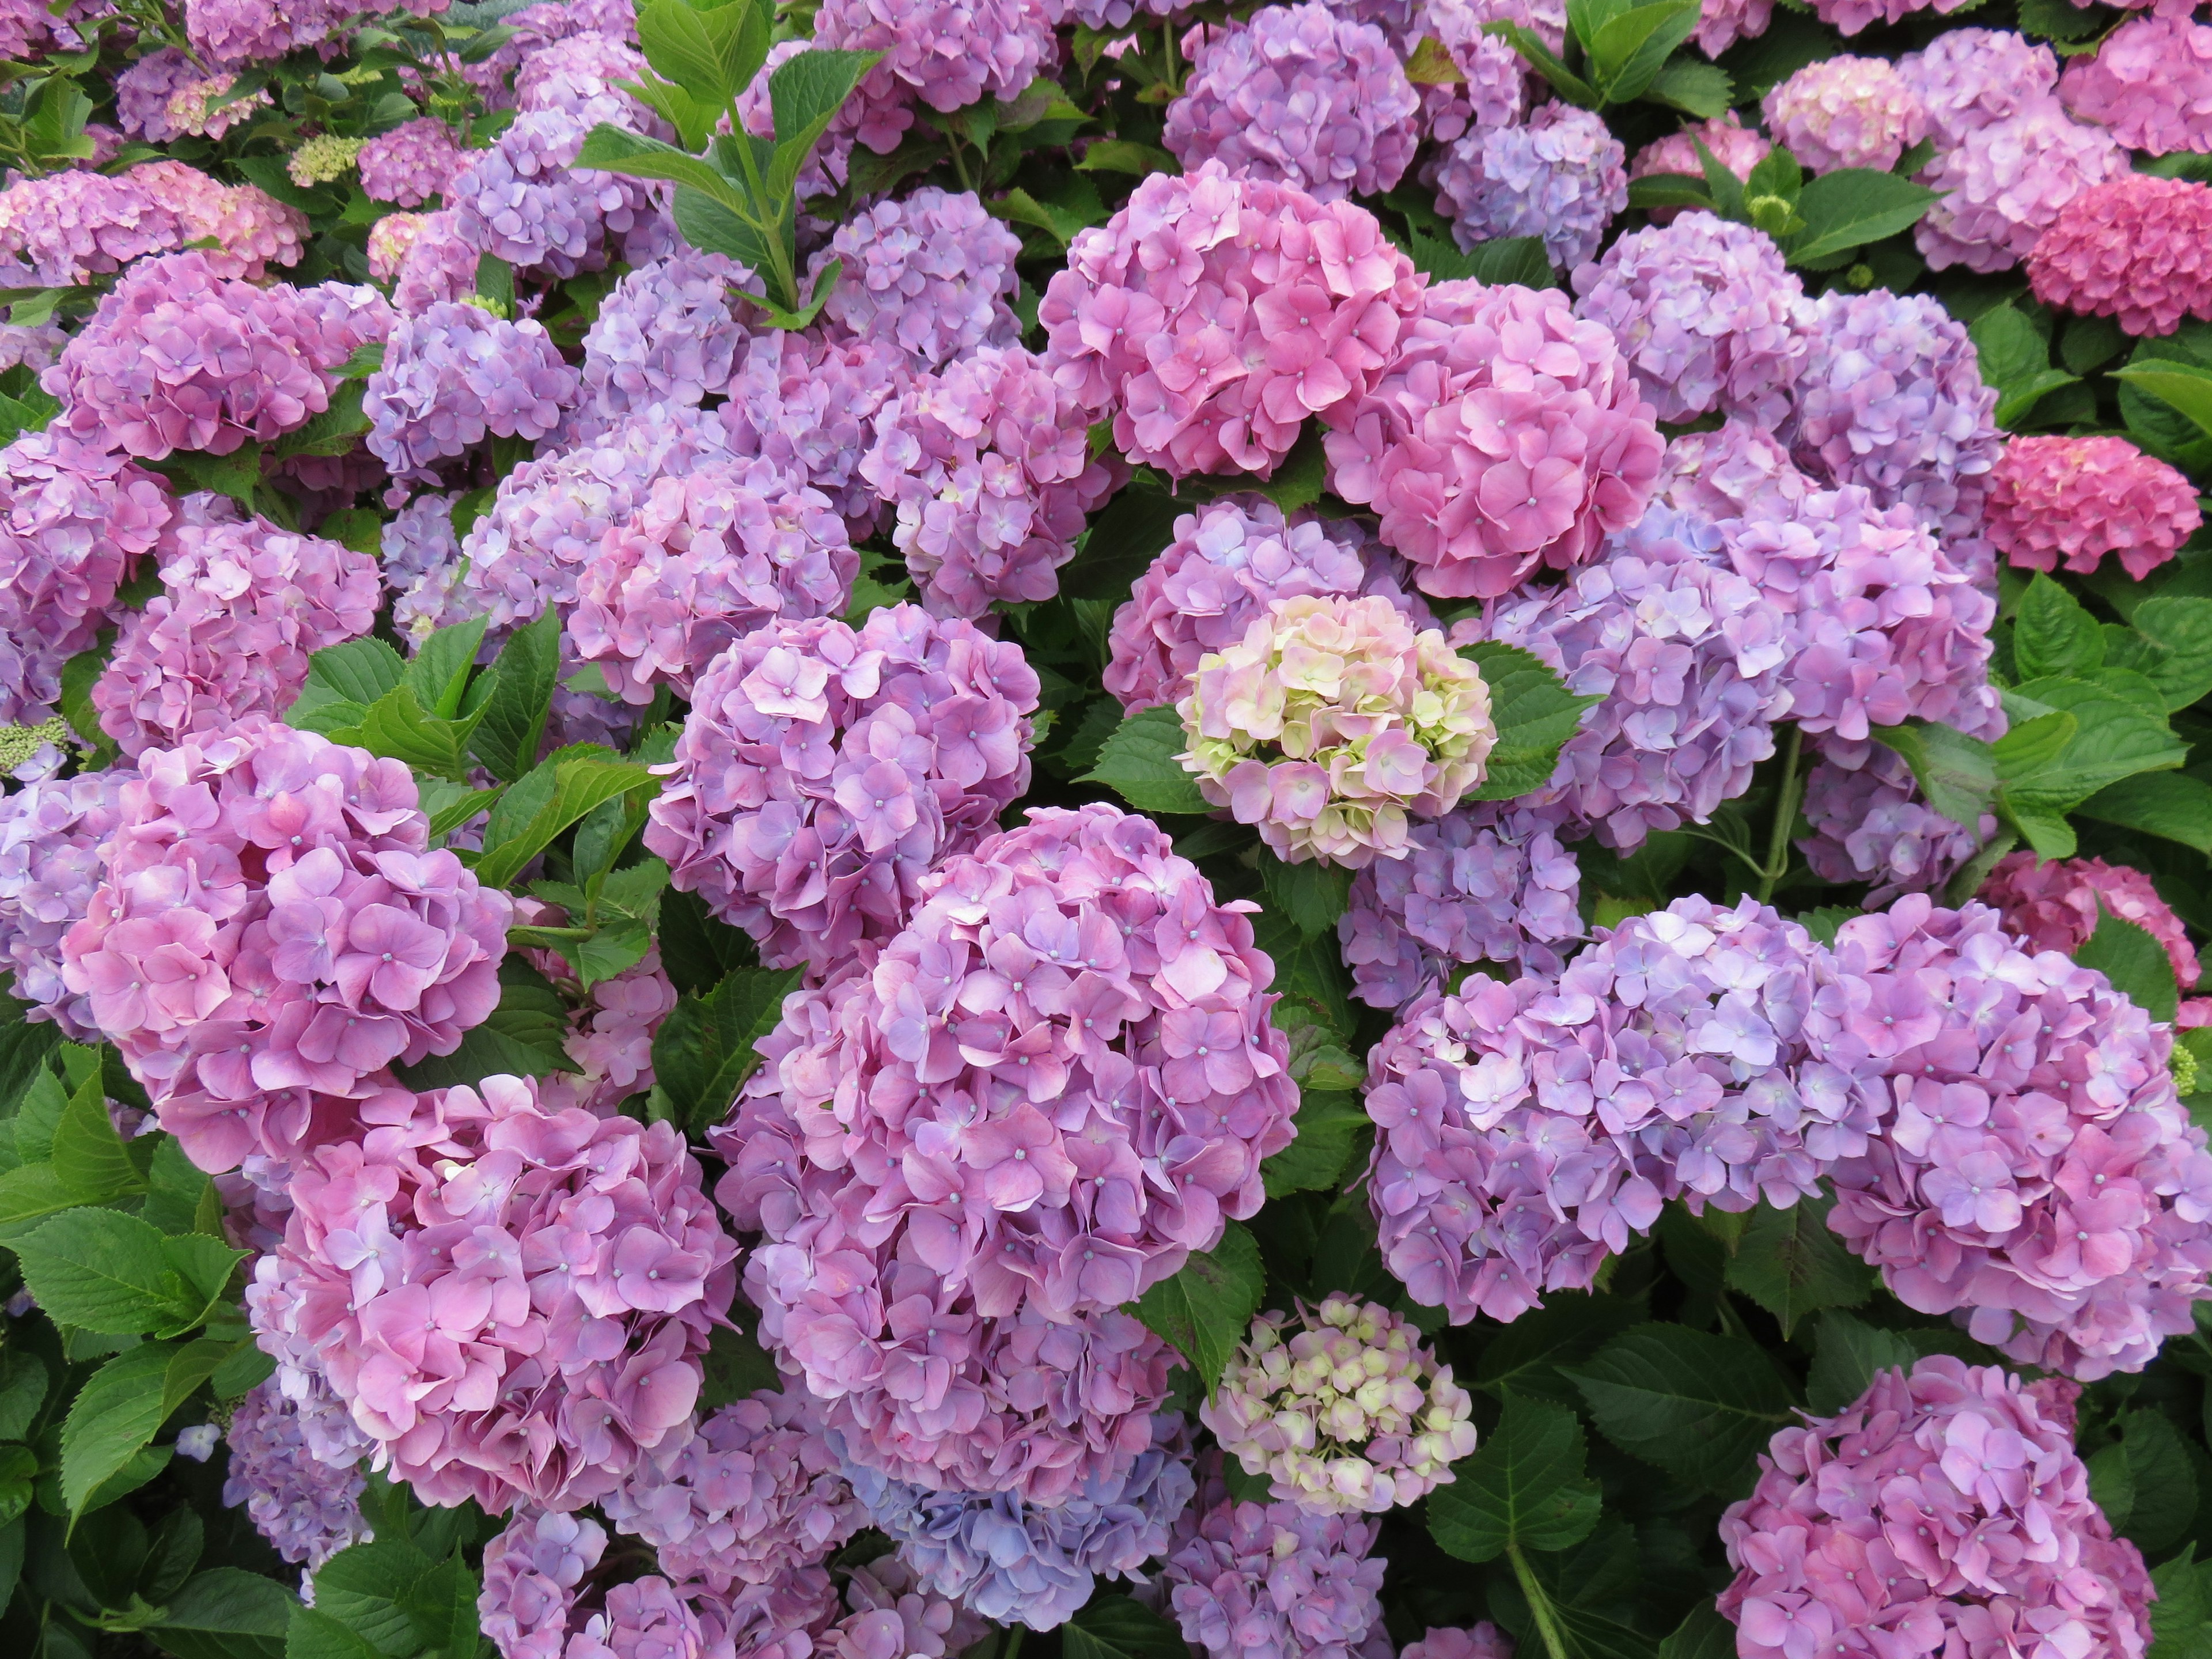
(1139, 763)
(545, 802)
(88, 1154)
(440, 672)
(119, 1410)
(1526, 1357)
(2181, 628)
(1547, 63)
(1790, 1264)
(1115, 1627)
(2135, 963)
(1535, 714)
(1698, 1406)
(1629, 49)
(24, 1382)
(2015, 360)
(2183, 386)
(1313, 895)
(1328, 1125)
(1205, 1311)
(507, 735)
(105, 1271)
(707, 1046)
(616, 149)
(358, 671)
(1124, 538)
(2053, 634)
(226, 1612)
(1524, 1486)
(1957, 774)
(523, 1037)
(1694, 88)
(2171, 806)
(1299, 476)
(1853, 206)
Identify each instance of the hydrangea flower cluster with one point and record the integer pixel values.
(2083, 498)
(1506, 433)
(1349, 1414)
(410, 165)
(824, 771)
(242, 607)
(894, 1616)
(70, 227)
(1854, 16)
(271, 934)
(932, 275)
(1705, 312)
(1870, 824)
(1969, 79)
(811, 404)
(1276, 307)
(1559, 176)
(294, 1468)
(435, 264)
(454, 373)
(1013, 1561)
(1485, 883)
(944, 53)
(2040, 1174)
(1846, 111)
(532, 1605)
(1735, 471)
(1331, 723)
(1302, 96)
(2006, 183)
(669, 334)
(2132, 248)
(420, 558)
(53, 836)
(533, 1291)
(523, 201)
(1023, 1233)
(1492, 90)
(2056, 906)
(988, 465)
(1948, 1503)
(610, 1038)
(2150, 84)
(1481, 1641)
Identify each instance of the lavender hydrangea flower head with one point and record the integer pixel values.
(704, 559)
(76, 517)
(1487, 881)
(294, 1466)
(1558, 177)
(893, 1615)
(1481, 1641)
(2150, 84)
(1948, 1503)
(2040, 1177)
(1505, 433)
(1870, 824)
(1705, 312)
(823, 770)
(944, 53)
(2055, 905)
(1308, 299)
(142, 91)
(932, 275)
(1492, 90)
(410, 164)
(455, 374)
(1300, 95)
(1854, 16)
(70, 227)
(2084, 498)
(2134, 248)
(1846, 111)
(1969, 79)
(524, 201)
(389, 239)
(988, 465)
(533, 1572)
(35, 345)
(242, 607)
(610, 1033)
(812, 405)
(582, 74)
(257, 1008)
(669, 333)
(437, 264)
(1735, 471)
(1721, 24)
(1349, 1414)
(1331, 722)
(1013, 1561)
(2006, 182)
(569, 1329)
(53, 834)
(420, 560)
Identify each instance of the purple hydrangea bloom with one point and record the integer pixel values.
(1300, 95)
(932, 275)
(421, 563)
(988, 464)
(71, 226)
(1481, 1641)
(295, 1466)
(823, 770)
(2149, 82)
(2004, 184)
(1870, 824)
(580, 75)
(1016, 1562)
(33, 345)
(668, 334)
(1493, 91)
(1705, 312)
(1560, 177)
(54, 837)
(524, 201)
(438, 264)
(410, 164)
(811, 406)
(455, 374)
(1969, 79)
(945, 53)
(1846, 111)
(532, 1572)
(1736, 471)
(1488, 881)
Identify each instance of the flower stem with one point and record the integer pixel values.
(1785, 815)
(1014, 1634)
(1539, 1605)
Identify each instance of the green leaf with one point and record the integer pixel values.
(1694, 88)
(1666, 189)
(440, 672)
(1134, 529)
(2053, 634)
(1702, 1634)
(1547, 63)
(616, 149)
(30, 1194)
(706, 1048)
(2170, 805)
(117, 1411)
(226, 1614)
(23, 1384)
(2015, 360)
(1523, 1485)
(2061, 21)
(1519, 259)
(370, 1590)
(2181, 1617)
(1328, 1125)
(1306, 970)
(1957, 774)
(1115, 1627)
(1120, 156)
(2111, 739)
(358, 672)
(1312, 895)
(806, 92)
(703, 52)
(1299, 478)
(512, 724)
(546, 801)
(1627, 51)
(1852, 206)
(2164, 1479)
(2136, 963)
(1205, 1311)
(1848, 1353)
(88, 1154)
(2181, 629)
(78, 674)
(697, 949)
(1698, 1406)
(107, 1272)
(2186, 387)
(1535, 714)
(1061, 223)
(1139, 763)
(1790, 1264)
(1527, 1357)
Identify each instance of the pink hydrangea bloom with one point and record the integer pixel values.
(1846, 111)
(1493, 91)
(1276, 307)
(543, 1287)
(944, 53)
(1945, 1509)
(142, 90)
(2150, 84)
(932, 274)
(296, 1470)
(1557, 176)
(2006, 182)
(582, 74)
(1968, 79)
(1721, 24)
(437, 264)
(389, 239)
(456, 373)
(410, 164)
(1851, 16)
(272, 934)
(1505, 433)
(2056, 906)
(252, 230)
(824, 771)
(68, 227)
(1301, 96)
(704, 559)
(811, 405)
(1331, 722)
(2084, 498)
(988, 465)
(1736, 471)
(1705, 312)
(2039, 1175)
(891, 1615)
(53, 836)
(2135, 248)
(242, 607)
(76, 517)
(610, 1038)
(1870, 824)
(533, 1572)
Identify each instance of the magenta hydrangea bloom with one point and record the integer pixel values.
(811, 404)
(823, 770)
(609, 1033)
(944, 53)
(1688, 658)
(296, 1470)
(2006, 182)
(2056, 906)
(524, 201)
(1945, 1510)
(1526, 1132)
(1505, 433)
(704, 559)
(1846, 111)
(1870, 824)
(437, 264)
(1306, 300)
(1721, 24)
(1735, 471)
(1704, 311)
(1016, 1562)
(545, 1285)
(1891, 397)
(932, 274)
(455, 374)
(1489, 882)
(54, 837)
(668, 334)
(1734, 146)
(412, 164)
(755, 1494)
(1968, 79)
(76, 517)
(2083, 498)
(2149, 84)
(252, 230)
(893, 1615)
(2134, 248)
(1302, 96)
(272, 934)
(1852, 16)
(1559, 176)
(242, 607)
(2040, 1175)
(988, 465)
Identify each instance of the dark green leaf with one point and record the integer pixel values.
(1139, 763)
(507, 735)
(1697, 88)
(546, 801)
(2136, 963)
(1627, 51)
(697, 949)
(1310, 971)
(1120, 156)
(358, 671)
(1730, 198)
(1205, 1311)
(1698, 1406)
(1523, 1485)
(2181, 628)
(2186, 387)
(107, 1272)
(616, 149)
(2164, 1480)
(2053, 634)
(1547, 63)
(735, 1366)
(1328, 1125)
(2015, 360)
(1115, 1627)
(440, 669)
(226, 1614)
(23, 1384)
(1666, 189)
(117, 1412)
(703, 52)
(1852, 206)
(1790, 1264)
(2173, 806)
(1535, 714)
(1526, 1357)
(1957, 774)
(1134, 528)
(1312, 895)
(706, 1048)
(1298, 479)
(367, 1588)
(88, 1154)
(1704, 1633)
(524, 1037)
(2062, 19)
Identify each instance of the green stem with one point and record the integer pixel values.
(1013, 1646)
(959, 159)
(771, 228)
(1785, 815)
(1175, 68)
(1539, 1605)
